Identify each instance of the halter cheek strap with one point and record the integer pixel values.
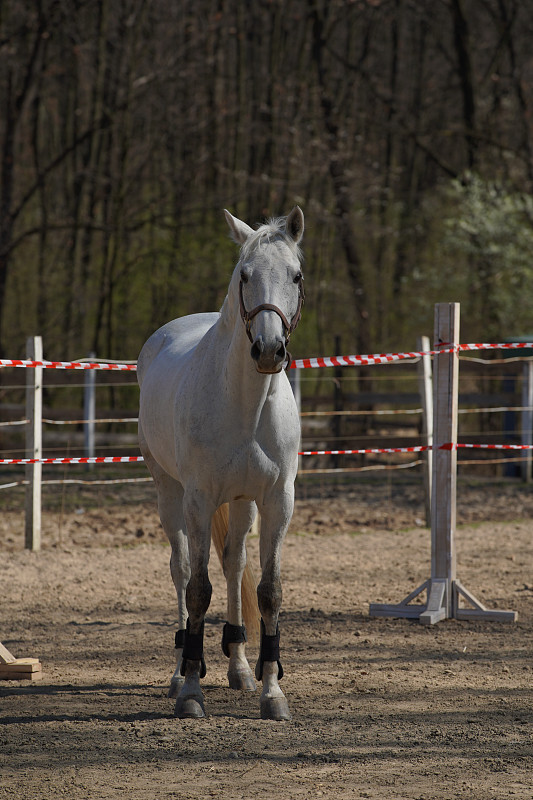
(247, 316)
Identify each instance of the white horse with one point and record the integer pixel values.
(218, 425)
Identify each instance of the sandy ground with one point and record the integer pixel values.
(381, 708)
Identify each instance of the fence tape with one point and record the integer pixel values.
(419, 449)
(371, 451)
(306, 363)
(15, 362)
(79, 460)
(388, 358)
(489, 446)
(299, 363)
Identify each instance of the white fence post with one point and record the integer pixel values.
(34, 413)
(527, 419)
(425, 389)
(294, 380)
(89, 411)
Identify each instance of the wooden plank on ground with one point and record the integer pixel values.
(22, 665)
(21, 676)
(22, 669)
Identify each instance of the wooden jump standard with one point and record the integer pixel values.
(446, 597)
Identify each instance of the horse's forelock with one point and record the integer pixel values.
(274, 229)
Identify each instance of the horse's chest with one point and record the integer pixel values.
(236, 457)
(250, 462)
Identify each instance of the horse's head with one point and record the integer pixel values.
(270, 285)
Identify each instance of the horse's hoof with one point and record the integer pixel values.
(242, 680)
(189, 708)
(275, 708)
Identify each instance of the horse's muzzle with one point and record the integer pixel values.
(269, 357)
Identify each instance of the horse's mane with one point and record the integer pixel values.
(272, 229)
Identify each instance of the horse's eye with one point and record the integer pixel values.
(244, 277)
(298, 277)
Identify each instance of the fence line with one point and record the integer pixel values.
(445, 594)
(447, 348)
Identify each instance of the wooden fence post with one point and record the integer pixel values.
(34, 413)
(425, 388)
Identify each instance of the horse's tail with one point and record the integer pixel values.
(250, 609)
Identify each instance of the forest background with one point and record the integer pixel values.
(403, 128)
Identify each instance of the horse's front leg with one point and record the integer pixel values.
(170, 497)
(170, 504)
(275, 517)
(197, 512)
(241, 516)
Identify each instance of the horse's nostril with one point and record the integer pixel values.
(257, 348)
(281, 352)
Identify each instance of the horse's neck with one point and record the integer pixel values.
(244, 386)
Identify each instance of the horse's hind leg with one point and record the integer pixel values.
(241, 516)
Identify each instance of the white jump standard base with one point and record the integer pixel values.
(446, 597)
(435, 608)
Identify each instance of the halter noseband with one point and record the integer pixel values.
(247, 316)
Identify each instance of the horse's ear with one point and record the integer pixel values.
(240, 231)
(295, 224)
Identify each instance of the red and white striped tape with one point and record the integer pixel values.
(14, 362)
(369, 451)
(299, 363)
(489, 446)
(388, 358)
(418, 449)
(80, 460)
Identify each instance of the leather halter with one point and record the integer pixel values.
(247, 316)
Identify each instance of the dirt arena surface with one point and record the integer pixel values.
(384, 709)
